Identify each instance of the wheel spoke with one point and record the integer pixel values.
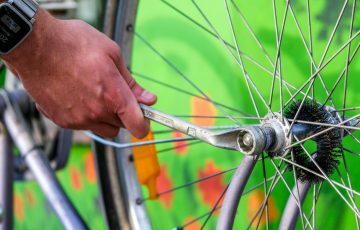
(214, 207)
(350, 193)
(279, 40)
(333, 32)
(328, 179)
(244, 194)
(343, 73)
(314, 75)
(314, 202)
(350, 151)
(182, 75)
(227, 44)
(321, 132)
(308, 11)
(186, 92)
(348, 63)
(291, 193)
(242, 17)
(265, 192)
(271, 188)
(178, 147)
(188, 184)
(319, 175)
(297, 189)
(232, 54)
(134, 144)
(326, 124)
(309, 52)
(240, 60)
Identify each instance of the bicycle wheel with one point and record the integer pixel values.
(229, 64)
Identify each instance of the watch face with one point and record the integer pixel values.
(13, 28)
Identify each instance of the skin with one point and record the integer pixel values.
(78, 78)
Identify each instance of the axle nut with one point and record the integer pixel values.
(251, 140)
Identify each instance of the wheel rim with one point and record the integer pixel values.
(320, 63)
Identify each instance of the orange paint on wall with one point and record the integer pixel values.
(90, 167)
(193, 226)
(255, 201)
(75, 179)
(18, 207)
(30, 198)
(200, 107)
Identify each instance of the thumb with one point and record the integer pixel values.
(141, 95)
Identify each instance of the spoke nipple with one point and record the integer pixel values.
(139, 201)
(130, 28)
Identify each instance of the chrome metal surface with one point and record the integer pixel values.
(6, 181)
(1, 214)
(291, 211)
(250, 140)
(227, 139)
(137, 212)
(281, 127)
(40, 166)
(236, 188)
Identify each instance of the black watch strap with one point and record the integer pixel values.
(27, 7)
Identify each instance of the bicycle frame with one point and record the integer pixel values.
(13, 126)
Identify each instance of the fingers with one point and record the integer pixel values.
(104, 129)
(141, 95)
(113, 120)
(128, 111)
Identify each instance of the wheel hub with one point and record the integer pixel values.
(271, 136)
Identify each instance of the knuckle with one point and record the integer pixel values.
(131, 83)
(80, 121)
(93, 58)
(122, 106)
(115, 48)
(96, 114)
(116, 103)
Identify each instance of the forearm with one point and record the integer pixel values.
(77, 77)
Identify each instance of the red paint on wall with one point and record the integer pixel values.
(164, 183)
(212, 188)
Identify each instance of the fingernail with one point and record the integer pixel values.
(146, 95)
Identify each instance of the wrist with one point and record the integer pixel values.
(35, 43)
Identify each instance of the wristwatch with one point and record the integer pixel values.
(16, 20)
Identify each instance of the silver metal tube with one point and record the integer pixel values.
(234, 192)
(291, 211)
(6, 181)
(40, 168)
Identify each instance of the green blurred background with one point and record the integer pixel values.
(207, 63)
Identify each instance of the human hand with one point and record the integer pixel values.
(78, 78)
